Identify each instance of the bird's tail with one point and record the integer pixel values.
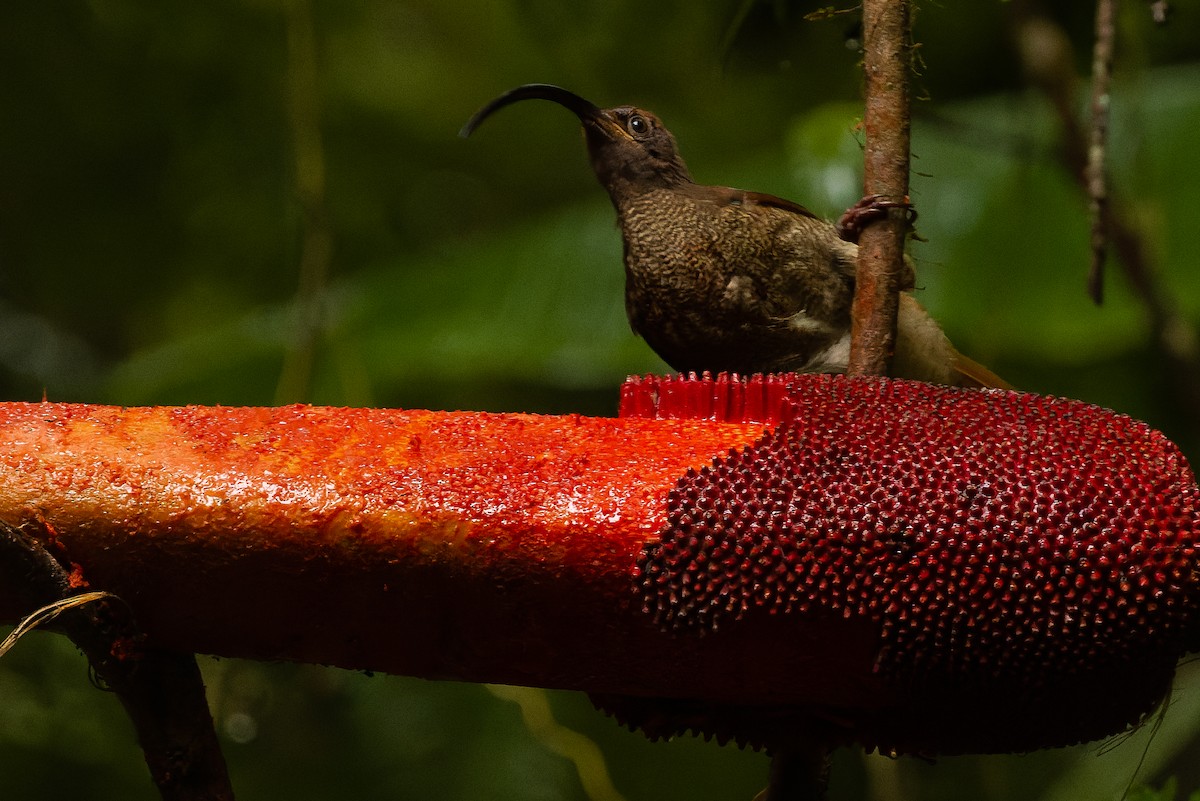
(924, 353)
(974, 374)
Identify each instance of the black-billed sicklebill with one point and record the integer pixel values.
(722, 279)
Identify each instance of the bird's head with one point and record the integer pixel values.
(630, 149)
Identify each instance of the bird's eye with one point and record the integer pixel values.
(638, 125)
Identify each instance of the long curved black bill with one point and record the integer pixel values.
(584, 109)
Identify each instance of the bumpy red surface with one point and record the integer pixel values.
(997, 538)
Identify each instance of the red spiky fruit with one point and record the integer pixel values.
(1026, 559)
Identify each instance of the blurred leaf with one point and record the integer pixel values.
(1105, 771)
(826, 155)
(543, 303)
(1167, 792)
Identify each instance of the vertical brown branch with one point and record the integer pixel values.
(800, 774)
(1096, 172)
(881, 245)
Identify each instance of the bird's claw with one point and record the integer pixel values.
(866, 211)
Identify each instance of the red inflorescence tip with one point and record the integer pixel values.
(727, 398)
(998, 539)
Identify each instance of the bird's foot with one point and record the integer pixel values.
(866, 211)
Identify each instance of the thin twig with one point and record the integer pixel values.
(162, 692)
(886, 161)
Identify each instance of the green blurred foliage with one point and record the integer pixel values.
(151, 232)
(1168, 792)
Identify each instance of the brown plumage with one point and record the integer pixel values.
(722, 279)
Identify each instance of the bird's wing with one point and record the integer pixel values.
(740, 197)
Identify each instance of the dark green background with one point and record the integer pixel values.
(151, 232)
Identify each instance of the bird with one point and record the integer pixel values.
(727, 280)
